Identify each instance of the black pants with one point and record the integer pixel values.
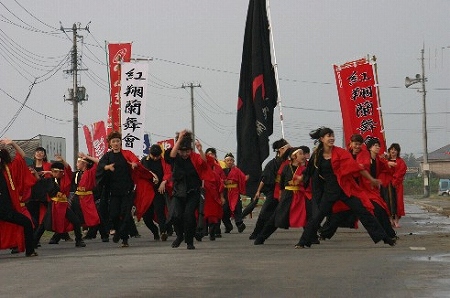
(120, 213)
(34, 208)
(159, 209)
(17, 218)
(267, 210)
(371, 224)
(71, 217)
(226, 218)
(183, 215)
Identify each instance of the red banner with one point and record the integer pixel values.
(96, 142)
(118, 52)
(99, 141)
(358, 96)
(88, 137)
(166, 144)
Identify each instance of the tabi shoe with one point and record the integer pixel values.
(33, 254)
(80, 243)
(300, 245)
(390, 241)
(155, 237)
(176, 243)
(315, 241)
(164, 236)
(190, 246)
(14, 250)
(125, 243)
(105, 239)
(259, 241)
(198, 236)
(252, 236)
(53, 241)
(241, 227)
(218, 235)
(67, 238)
(212, 237)
(116, 238)
(228, 229)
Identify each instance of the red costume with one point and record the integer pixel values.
(18, 179)
(213, 210)
(235, 184)
(86, 197)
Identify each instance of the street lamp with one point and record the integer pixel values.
(425, 165)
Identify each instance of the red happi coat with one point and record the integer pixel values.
(144, 199)
(18, 179)
(213, 209)
(291, 210)
(346, 169)
(143, 179)
(59, 204)
(365, 159)
(395, 176)
(235, 177)
(86, 197)
(276, 190)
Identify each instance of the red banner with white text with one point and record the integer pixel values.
(360, 105)
(96, 140)
(117, 53)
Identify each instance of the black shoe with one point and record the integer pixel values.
(116, 238)
(33, 254)
(252, 236)
(67, 238)
(164, 236)
(300, 245)
(105, 239)
(259, 241)
(176, 243)
(228, 229)
(212, 237)
(125, 243)
(315, 241)
(139, 236)
(390, 241)
(80, 243)
(218, 235)
(198, 236)
(53, 241)
(156, 237)
(190, 246)
(14, 250)
(241, 227)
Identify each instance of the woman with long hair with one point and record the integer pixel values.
(331, 170)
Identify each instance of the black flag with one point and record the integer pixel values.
(257, 95)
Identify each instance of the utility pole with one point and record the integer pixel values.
(76, 94)
(425, 165)
(192, 86)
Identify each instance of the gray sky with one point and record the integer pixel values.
(201, 41)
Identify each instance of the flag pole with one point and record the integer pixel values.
(275, 65)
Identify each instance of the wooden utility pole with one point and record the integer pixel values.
(76, 93)
(192, 86)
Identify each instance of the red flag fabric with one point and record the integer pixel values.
(118, 52)
(88, 137)
(99, 141)
(257, 95)
(358, 97)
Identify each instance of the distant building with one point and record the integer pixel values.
(439, 161)
(53, 146)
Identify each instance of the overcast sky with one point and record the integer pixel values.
(201, 41)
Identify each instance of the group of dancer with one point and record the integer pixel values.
(191, 193)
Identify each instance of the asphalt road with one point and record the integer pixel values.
(349, 265)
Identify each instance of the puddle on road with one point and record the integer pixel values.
(443, 258)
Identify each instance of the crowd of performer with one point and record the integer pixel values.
(190, 192)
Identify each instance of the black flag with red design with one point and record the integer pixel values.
(257, 95)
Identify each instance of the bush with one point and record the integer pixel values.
(414, 186)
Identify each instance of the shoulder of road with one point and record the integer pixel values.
(434, 203)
